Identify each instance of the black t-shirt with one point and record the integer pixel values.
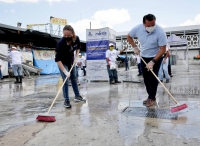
(65, 52)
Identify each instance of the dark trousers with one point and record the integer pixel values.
(169, 68)
(84, 71)
(1, 76)
(150, 81)
(139, 68)
(112, 74)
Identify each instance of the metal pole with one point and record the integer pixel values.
(176, 55)
(199, 40)
(90, 25)
(188, 58)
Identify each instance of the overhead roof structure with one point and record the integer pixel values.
(15, 35)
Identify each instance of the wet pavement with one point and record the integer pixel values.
(107, 118)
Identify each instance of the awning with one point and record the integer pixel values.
(176, 41)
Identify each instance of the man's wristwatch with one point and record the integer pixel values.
(153, 60)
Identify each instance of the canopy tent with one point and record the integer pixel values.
(176, 41)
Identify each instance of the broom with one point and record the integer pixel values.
(50, 118)
(177, 107)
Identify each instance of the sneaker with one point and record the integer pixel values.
(139, 74)
(67, 104)
(113, 82)
(79, 98)
(167, 81)
(117, 82)
(171, 76)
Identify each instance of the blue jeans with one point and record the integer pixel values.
(77, 71)
(1, 74)
(17, 69)
(127, 67)
(112, 74)
(73, 80)
(164, 67)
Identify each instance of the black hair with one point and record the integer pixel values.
(149, 17)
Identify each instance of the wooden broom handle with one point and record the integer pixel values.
(160, 82)
(60, 90)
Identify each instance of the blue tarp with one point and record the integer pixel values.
(47, 66)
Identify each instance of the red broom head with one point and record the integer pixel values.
(46, 118)
(178, 108)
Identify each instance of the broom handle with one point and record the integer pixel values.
(60, 90)
(160, 82)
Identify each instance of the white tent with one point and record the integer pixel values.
(176, 41)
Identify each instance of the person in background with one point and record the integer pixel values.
(139, 65)
(111, 55)
(153, 45)
(164, 67)
(169, 65)
(17, 60)
(82, 62)
(65, 59)
(1, 76)
(126, 63)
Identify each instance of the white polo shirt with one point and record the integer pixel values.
(112, 55)
(16, 57)
(82, 60)
(150, 42)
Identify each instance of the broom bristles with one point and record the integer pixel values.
(178, 108)
(46, 118)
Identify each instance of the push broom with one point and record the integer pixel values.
(50, 118)
(177, 107)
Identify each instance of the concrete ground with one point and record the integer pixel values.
(106, 118)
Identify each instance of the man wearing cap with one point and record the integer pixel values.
(82, 63)
(111, 55)
(153, 45)
(17, 60)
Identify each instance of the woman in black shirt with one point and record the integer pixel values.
(65, 59)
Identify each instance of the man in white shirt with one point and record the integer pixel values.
(82, 63)
(1, 76)
(139, 65)
(111, 55)
(17, 60)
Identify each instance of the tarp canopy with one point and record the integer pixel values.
(176, 41)
(45, 59)
(15, 35)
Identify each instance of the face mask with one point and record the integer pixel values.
(150, 29)
(111, 48)
(68, 39)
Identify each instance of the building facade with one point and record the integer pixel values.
(190, 33)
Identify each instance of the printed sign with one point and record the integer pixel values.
(44, 54)
(58, 21)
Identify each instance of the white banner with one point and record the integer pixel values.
(97, 70)
(28, 57)
(44, 54)
(97, 42)
(4, 67)
(97, 34)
